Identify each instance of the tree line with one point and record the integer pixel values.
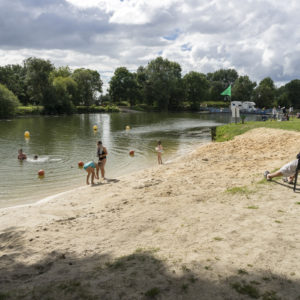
(159, 86)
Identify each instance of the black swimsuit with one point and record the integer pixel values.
(101, 153)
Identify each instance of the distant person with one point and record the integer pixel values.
(90, 168)
(291, 109)
(159, 149)
(101, 154)
(274, 113)
(288, 171)
(21, 155)
(35, 157)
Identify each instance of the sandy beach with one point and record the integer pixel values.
(205, 226)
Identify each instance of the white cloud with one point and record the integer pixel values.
(256, 37)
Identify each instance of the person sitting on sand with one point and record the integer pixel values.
(101, 153)
(159, 149)
(90, 168)
(21, 155)
(288, 171)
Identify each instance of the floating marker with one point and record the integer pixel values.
(27, 134)
(80, 164)
(95, 127)
(41, 173)
(127, 127)
(131, 152)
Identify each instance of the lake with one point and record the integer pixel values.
(61, 142)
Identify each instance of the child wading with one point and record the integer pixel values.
(159, 149)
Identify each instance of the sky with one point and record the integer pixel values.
(258, 38)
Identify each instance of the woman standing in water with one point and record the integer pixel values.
(101, 153)
(159, 149)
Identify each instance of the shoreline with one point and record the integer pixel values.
(172, 158)
(207, 224)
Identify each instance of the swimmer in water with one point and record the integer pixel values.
(35, 157)
(21, 155)
(90, 168)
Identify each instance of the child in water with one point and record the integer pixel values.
(90, 168)
(21, 155)
(159, 149)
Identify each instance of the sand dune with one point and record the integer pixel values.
(205, 226)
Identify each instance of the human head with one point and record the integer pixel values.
(20, 151)
(99, 143)
(35, 157)
(159, 143)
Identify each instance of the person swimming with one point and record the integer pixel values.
(35, 157)
(21, 155)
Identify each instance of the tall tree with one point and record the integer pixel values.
(293, 92)
(37, 79)
(243, 89)
(226, 76)
(196, 88)
(13, 77)
(123, 86)
(264, 94)
(89, 85)
(163, 83)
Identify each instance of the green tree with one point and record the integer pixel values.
(89, 85)
(8, 102)
(196, 88)
(264, 94)
(163, 83)
(215, 90)
(64, 89)
(226, 76)
(13, 77)
(243, 89)
(60, 72)
(123, 86)
(293, 92)
(37, 79)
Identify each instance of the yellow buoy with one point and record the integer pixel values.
(95, 127)
(127, 127)
(27, 134)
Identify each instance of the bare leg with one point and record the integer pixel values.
(93, 175)
(88, 175)
(103, 162)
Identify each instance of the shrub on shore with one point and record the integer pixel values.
(8, 102)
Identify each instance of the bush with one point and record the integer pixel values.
(96, 109)
(8, 102)
(29, 110)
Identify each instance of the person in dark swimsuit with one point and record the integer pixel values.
(101, 153)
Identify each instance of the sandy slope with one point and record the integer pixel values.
(201, 227)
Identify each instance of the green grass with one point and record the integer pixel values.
(246, 289)
(238, 190)
(229, 131)
(29, 110)
(218, 238)
(242, 272)
(252, 207)
(215, 104)
(152, 293)
(298, 203)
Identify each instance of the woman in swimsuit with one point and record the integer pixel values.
(101, 153)
(90, 168)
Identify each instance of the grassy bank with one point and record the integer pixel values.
(38, 110)
(229, 131)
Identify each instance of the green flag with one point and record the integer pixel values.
(227, 92)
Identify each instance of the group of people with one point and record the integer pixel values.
(281, 113)
(93, 168)
(22, 156)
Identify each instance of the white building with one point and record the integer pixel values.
(247, 105)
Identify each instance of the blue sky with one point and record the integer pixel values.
(256, 37)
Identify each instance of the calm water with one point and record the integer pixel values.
(60, 142)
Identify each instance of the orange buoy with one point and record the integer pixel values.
(131, 152)
(80, 164)
(41, 173)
